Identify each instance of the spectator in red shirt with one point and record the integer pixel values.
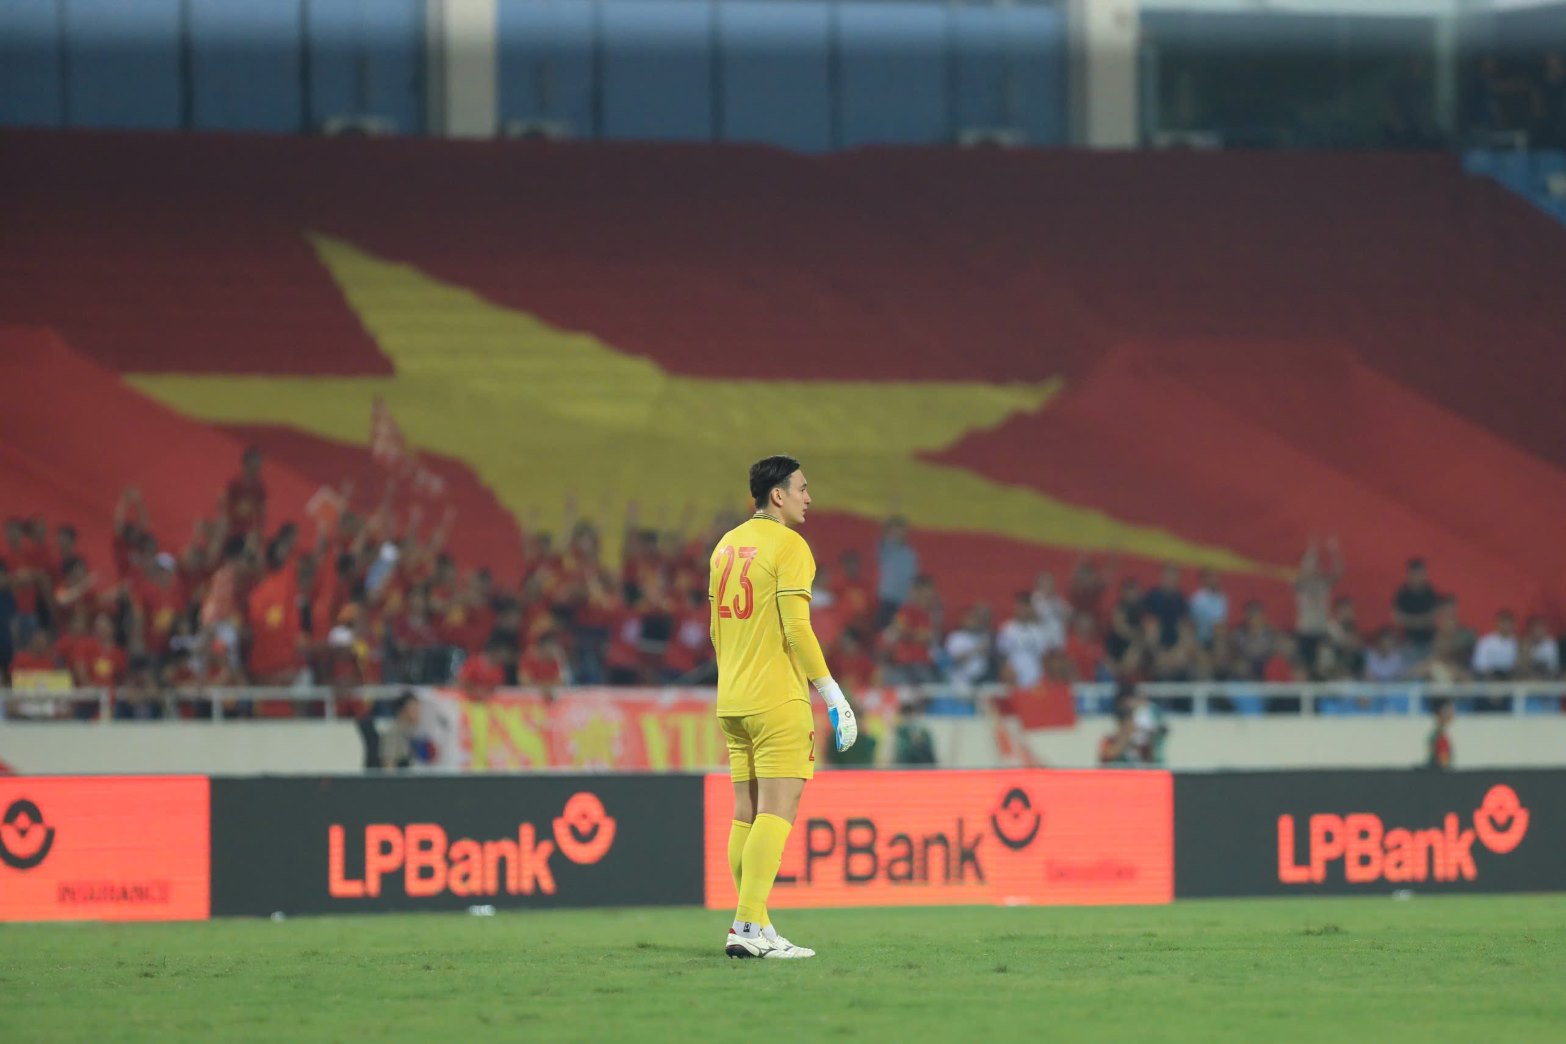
(157, 602)
(273, 616)
(481, 675)
(422, 653)
(853, 668)
(1086, 590)
(77, 592)
(1084, 650)
(244, 500)
(1438, 746)
(623, 660)
(855, 593)
(544, 663)
(76, 630)
(1284, 665)
(330, 590)
(689, 656)
(97, 660)
(465, 618)
(37, 656)
(592, 624)
(911, 634)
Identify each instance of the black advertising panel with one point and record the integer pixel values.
(1342, 833)
(348, 844)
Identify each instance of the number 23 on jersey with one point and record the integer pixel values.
(743, 603)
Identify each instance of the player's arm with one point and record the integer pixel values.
(794, 609)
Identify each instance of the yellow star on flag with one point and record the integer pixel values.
(541, 414)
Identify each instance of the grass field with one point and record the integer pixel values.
(1464, 969)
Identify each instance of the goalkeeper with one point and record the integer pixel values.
(768, 658)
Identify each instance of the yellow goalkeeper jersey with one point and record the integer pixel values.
(753, 565)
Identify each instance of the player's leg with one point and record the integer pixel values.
(742, 773)
(739, 831)
(784, 759)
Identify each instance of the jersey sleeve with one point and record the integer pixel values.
(796, 568)
(794, 611)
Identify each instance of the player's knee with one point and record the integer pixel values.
(744, 807)
(780, 797)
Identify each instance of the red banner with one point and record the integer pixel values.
(104, 848)
(656, 730)
(1004, 837)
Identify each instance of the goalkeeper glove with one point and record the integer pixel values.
(845, 729)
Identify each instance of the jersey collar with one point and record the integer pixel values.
(769, 518)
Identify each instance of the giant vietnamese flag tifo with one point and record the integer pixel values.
(1033, 356)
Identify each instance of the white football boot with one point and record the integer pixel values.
(794, 951)
(761, 946)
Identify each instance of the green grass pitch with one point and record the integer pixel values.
(1462, 969)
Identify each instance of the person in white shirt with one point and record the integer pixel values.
(1209, 606)
(1541, 654)
(1023, 641)
(1495, 656)
(1052, 611)
(971, 647)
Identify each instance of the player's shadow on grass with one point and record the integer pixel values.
(672, 950)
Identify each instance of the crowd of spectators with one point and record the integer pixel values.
(376, 597)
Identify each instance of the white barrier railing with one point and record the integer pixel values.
(1201, 698)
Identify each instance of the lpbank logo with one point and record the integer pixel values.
(432, 863)
(1016, 823)
(914, 843)
(1371, 852)
(25, 839)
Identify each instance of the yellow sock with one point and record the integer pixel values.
(738, 832)
(762, 856)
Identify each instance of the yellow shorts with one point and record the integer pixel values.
(774, 744)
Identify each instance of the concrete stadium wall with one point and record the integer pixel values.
(1280, 743)
(241, 748)
(319, 747)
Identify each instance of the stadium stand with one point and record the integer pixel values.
(1349, 351)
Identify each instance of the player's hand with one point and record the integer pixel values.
(845, 729)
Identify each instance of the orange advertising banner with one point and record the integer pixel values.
(597, 730)
(1005, 837)
(105, 848)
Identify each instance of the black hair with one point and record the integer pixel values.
(770, 473)
(408, 696)
(1439, 705)
(1416, 562)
